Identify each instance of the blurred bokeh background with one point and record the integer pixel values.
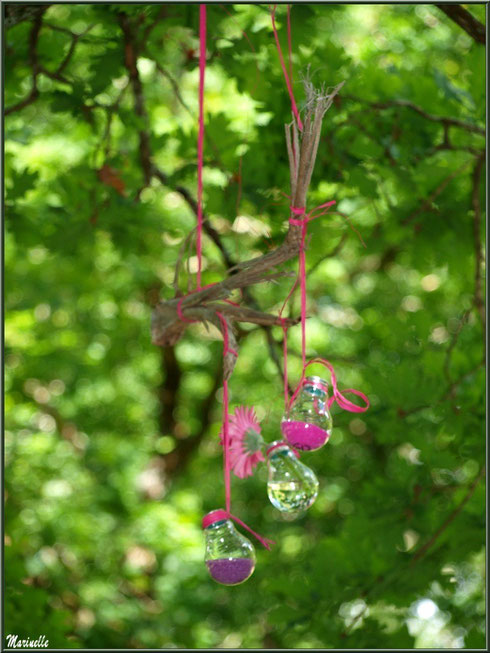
(112, 450)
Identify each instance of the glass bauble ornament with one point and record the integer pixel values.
(307, 425)
(292, 487)
(229, 557)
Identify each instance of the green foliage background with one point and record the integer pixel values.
(110, 461)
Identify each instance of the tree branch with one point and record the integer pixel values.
(180, 456)
(168, 390)
(33, 60)
(475, 201)
(167, 326)
(443, 120)
(465, 20)
(130, 59)
(17, 13)
(427, 204)
(447, 522)
(153, 171)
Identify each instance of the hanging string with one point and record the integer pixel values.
(226, 439)
(300, 278)
(283, 66)
(200, 137)
(290, 47)
(337, 396)
(226, 343)
(263, 540)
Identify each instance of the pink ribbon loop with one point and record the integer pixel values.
(263, 540)
(337, 396)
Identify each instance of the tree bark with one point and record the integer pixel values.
(465, 20)
(17, 13)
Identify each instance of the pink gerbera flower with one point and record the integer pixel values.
(246, 443)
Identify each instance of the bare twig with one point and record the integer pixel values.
(175, 87)
(167, 326)
(33, 60)
(395, 573)
(17, 13)
(443, 120)
(475, 201)
(130, 58)
(452, 345)
(447, 522)
(427, 204)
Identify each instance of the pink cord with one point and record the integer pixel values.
(301, 277)
(226, 344)
(200, 138)
(283, 66)
(303, 222)
(179, 311)
(290, 48)
(337, 396)
(226, 439)
(263, 540)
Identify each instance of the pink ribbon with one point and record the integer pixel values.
(303, 222)
(314, 213)
(263, 540)
(283, 65)
(226, 440)
(337, 396)
(226, 343)
(200, 137)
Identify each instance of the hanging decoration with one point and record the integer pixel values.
(291, 486)
(306, 425)
(230, 557)
(246, 442)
